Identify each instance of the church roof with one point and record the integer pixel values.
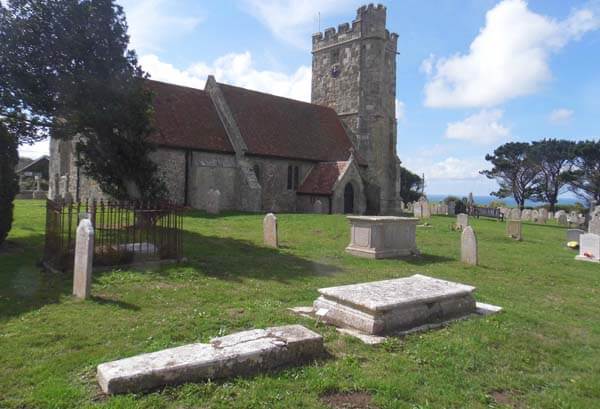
(186, 118)
(283, 127)
(322, 178)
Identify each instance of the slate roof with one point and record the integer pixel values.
(186, 118)
(286, 128)
(322, 178)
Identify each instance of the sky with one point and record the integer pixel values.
(471, 74)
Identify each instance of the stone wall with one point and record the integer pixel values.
(171, 169)
(306, 203)
(213, 171)
(352, 176)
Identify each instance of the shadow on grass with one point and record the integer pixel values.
(426, 259)
(25, 286)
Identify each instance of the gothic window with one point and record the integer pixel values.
(257, 172)
(296, 177)
(290, 178)
(293, 177)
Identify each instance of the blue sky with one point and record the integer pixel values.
(472, 74)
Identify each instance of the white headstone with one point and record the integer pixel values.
(462, 220)
(594, 226)
(515, 214)
(84, 257)
(562, 219)
(318, 206)
(526, 215)
(468, 247)
(213, 201)
(589, 247)
(270, 231)
(514, 229)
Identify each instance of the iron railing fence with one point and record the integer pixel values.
(125, 232)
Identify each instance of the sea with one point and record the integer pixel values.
(485, 200)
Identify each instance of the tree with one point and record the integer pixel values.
(9, 185)
(553, 160)
(460, 205)
(514, 171)
(410, 185)
(66, 71)
(585, 176)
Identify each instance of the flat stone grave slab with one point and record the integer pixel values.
(395, 305)
(242, 353)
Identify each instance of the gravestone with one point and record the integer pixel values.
(574, 234)
(514, 229)
(589, 248)
(417, 210)
(550, 215)
(594, 226)
(451, 208)
(242, 353)
(526, 215)
(38, 183)
(468, 247)
(270, 231)
(84, 257)
(515, 214)
(559, 213)
(542, 216)
(382, 236)
(535, 215)
(425, 209)
(213, 201)
(318, 206)
(562, 219)
(462, 220)
(383, 307)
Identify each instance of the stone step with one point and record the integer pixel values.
(242, 353)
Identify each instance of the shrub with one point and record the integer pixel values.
(9, 183)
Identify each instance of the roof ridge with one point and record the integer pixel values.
(175, 85)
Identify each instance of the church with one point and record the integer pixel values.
(262, 152)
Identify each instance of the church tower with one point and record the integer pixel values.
(354, 72)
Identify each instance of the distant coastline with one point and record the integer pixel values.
(485, 200)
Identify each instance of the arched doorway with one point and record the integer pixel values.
(349, 198)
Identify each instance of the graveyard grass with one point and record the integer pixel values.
(542, 351)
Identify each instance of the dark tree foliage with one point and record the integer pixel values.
(514, 171)
(460, 205)
(553, 160)
(410, 185)
(585, 177)
(9, 185)
(66, 71)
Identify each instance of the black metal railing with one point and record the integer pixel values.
(124, 232)
(480, 211)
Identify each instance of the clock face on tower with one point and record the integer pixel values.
(335, 71)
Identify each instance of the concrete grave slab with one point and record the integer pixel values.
(242, 353)
(387, 306)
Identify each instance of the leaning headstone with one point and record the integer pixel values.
(468, 247)
(318, 206)
(594, 226)
(270, 231)
(589, 248)
(562, 219)
(213, 201)
(84, 257)
(242, 353)
(462, 220)
(574, 234)
(514, 229)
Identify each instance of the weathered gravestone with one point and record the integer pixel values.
(594, 226)
(84, 257)
(242, 353)
(535, 216)
(468, 247)
(383, 307)
(451, 208)
(574, 234)
(462, 220)
(417, 210)
(382, 236)
(589, 248)
(526, 215)
(562, 219)
(271, 235)
(213, 201)
(515, 214)
(318, 206)
(550, 215)
(514, 229)
(542, 217)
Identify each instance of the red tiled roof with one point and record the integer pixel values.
(322, 177)
(186, 118)
(282, 127)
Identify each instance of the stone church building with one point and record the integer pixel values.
(336, 154)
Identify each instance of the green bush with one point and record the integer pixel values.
(9, 184)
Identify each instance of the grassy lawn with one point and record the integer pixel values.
(543, 351)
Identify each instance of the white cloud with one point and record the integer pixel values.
(400, 111)
(560, 116)
(36, 150)
(508, 58)
(234, 69)
(152, 24)
(450, 168)
(294, 21)
(483, 128)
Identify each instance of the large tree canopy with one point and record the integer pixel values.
(410, 185)
(553, 160)
(514, 170)
(66, 71)
(9, 185)
(585, 178)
